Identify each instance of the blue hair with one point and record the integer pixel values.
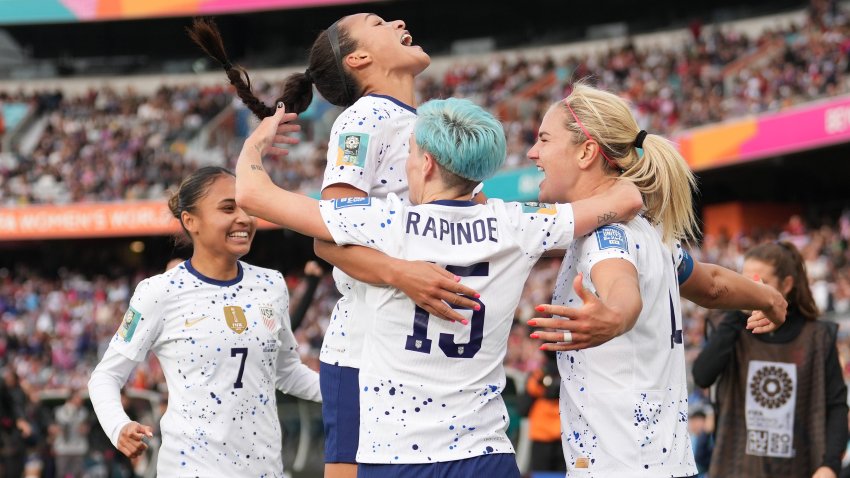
(464, 139)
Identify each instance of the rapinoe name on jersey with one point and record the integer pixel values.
(460, 232)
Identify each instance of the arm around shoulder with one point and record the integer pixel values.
(715, 287)
(620, 203)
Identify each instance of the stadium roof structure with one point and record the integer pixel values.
(71, 11)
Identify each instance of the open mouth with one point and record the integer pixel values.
(238, 235)
(406, 39)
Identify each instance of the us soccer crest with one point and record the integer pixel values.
(267, 312)
(235, 318)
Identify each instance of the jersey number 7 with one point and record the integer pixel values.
(419, 342)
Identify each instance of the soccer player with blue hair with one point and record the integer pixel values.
(430, 390)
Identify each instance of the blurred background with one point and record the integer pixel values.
(105, 106)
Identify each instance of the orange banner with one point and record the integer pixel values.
(90, 220)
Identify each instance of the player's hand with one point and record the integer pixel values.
(272, 131)
(824, 472)
(759, 323)
(131, 441)
(768, 320)
(590, 325)
(434, 289)
(626, 199)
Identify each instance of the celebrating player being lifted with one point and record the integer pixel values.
(430, 390)
(220, 329)
(366, 65)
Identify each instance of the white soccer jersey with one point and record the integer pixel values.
(224, 348)
(368, 149)
(624, 405)
(431, 390)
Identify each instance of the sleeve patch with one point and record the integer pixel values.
(686, 267)
(539, 208)
(129, 323)
(612, 237)
(342, 203)
(352, 149)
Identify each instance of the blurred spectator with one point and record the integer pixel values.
(543, 387)
(702, 440)
(13, 425)
(71, 437)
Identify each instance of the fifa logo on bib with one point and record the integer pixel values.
(235, 318)
(771, 401)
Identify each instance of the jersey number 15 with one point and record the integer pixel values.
(419, 342)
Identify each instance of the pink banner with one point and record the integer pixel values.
(46, 11)
(805, 127)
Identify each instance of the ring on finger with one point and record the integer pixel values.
(568, 337)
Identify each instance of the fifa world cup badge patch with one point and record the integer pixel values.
(128, 324)
(539, 208)
(612, 237)
(235, 318)
(352, 149)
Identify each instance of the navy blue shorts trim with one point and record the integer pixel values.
(499, 465)
(340, 412)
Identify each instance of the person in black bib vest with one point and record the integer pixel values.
(781, 397)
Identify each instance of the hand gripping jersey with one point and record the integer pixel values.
(624, 407)
(368, 149)
(430, 390)
(224, 348)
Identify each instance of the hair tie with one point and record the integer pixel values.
(639, 139)
(308, 75)
(227, 66)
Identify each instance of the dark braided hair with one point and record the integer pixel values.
(335, 83)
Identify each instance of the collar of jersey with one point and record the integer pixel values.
(390, 98)
(210, 280)
(453, 203)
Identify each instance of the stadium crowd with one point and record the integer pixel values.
(123, 145)
(53, 329)
(108, 145)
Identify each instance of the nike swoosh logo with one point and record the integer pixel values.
(190, 323)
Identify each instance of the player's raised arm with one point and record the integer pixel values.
(430, 286)
(259, 196)
(619, 203)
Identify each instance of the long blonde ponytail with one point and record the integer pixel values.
(660, 173)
